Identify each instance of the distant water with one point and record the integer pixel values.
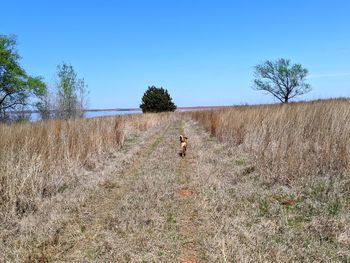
(92, 114)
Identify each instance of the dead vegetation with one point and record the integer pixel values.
(47, 169)
(244, 216)
(287, 141)
(265, 183)
(276, 189)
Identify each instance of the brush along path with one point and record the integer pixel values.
(244, 216)
(86, 224)
(60, 199)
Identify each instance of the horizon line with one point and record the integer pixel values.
(132, 109)
(195, 107)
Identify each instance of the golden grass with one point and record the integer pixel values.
(287, 141)
(58, 179)
(35, 157)
(244, 217)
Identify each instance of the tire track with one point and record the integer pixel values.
(187, 208)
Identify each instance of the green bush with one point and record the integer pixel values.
(156, 100)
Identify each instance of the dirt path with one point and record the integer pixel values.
(150, 212)
(188, 211)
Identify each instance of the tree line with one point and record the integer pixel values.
(68, 98)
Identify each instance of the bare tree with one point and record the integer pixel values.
(281, 79)
(71, 93)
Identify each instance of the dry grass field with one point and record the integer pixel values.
(287, 141)
(48, 169)
(266, 183)
(278, 184)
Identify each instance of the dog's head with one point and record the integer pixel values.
(183, 138)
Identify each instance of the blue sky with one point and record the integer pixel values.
(203, 52)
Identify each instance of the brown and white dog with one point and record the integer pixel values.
(183, 145)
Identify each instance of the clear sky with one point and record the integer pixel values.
(202, 51)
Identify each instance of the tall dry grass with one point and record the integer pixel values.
(35, 158)
(287, 141)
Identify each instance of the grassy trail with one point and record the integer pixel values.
(210, 206)
(149, 216)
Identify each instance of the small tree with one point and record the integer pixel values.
(17, 88)
(281, 79)
(157, 100)
(71, 93)
(45, 106)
